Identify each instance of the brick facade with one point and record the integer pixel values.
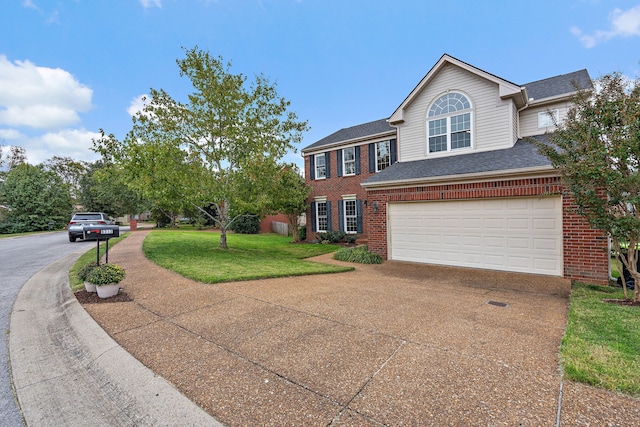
(334, 187)
(586, 254)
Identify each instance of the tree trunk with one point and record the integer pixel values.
(223, 238)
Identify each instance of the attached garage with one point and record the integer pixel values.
(521, 234)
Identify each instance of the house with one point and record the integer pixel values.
(451, 178)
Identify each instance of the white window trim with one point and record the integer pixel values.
(344, 161)
(324, 160)
(345, 199)
(388, 142)
(545, 120)
(448, 117)
(317, 217)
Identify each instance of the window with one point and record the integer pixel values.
(321, 168)
(383, 155)
(350, 216)
(321, 216)
(548, 118)
(349, 160)
(449, 123)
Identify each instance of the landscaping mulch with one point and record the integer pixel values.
(85, 297)
(625, 302)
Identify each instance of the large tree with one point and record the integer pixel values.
(36, 197)
(221, 147)
(71, 172)
(597, 149)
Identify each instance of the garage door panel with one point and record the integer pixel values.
(522, 235)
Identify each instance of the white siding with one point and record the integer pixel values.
(493, 118)
(529, 118)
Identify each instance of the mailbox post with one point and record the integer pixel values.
(99, 233)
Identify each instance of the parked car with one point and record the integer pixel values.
(80, 219)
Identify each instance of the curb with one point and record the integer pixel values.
(67, 371)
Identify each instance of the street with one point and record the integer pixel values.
(20, 258)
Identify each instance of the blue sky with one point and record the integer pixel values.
(71, 67)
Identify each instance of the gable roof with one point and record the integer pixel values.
(522, 157)
(506, 88)
(562, 85)
(353, 134)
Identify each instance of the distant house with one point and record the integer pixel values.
(450, 179)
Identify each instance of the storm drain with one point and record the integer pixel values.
(498, 303)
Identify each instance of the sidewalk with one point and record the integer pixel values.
(68, 372)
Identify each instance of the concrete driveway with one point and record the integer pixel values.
(394, 344)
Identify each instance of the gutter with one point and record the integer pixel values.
(346, 143)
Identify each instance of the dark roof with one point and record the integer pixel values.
(355, 132)
(558, 85)
(523, 154)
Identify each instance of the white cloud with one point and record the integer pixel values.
(147, 4)
(29, 4)
(137, 104)
(40, 97)
(74, 143)
(623, 24)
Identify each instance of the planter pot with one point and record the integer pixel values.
(90, 287)
(106, 291)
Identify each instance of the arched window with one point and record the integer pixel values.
(449, 123)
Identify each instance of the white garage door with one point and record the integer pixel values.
(521, 235)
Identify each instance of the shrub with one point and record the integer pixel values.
(86, 269)
(246, 224)
(302, 233)
(105, 274)
(359, 254)
(350, 238)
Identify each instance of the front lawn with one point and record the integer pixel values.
(198, 256)
(601, 345)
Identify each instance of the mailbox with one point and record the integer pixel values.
(101, 232)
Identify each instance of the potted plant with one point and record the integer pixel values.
(106, 277)
(83, 274)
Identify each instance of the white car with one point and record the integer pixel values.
(80, 219)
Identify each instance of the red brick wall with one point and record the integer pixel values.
(265, 224)
(335, 187)
(586, 256)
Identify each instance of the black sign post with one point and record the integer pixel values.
(98, 233)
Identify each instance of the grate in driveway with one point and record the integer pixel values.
(498, 303)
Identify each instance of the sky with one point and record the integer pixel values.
(69, 68)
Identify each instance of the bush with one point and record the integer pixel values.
(105, 274)
(302, 233)
(359, 254)
(86, 270)
(350, 238)
(246, 224)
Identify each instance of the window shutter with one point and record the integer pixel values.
(394, 150)
(358, 160)
(312, 167)
(359, 215)
(327, 164)
(329, 228)
(313, 216)
(339, 158)
(372, 157)
(341, 215)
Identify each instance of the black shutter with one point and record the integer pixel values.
(312, 168)
(341, 215)
(372, 157)
(394, 150)
(329, 228)
(359, 215)
(339, 158)
(313, 216)
(327, 164)
(358, 160)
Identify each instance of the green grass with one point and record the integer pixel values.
(90, 256)
(601, 345)
(197, 255)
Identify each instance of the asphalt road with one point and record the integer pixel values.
(21, 258)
